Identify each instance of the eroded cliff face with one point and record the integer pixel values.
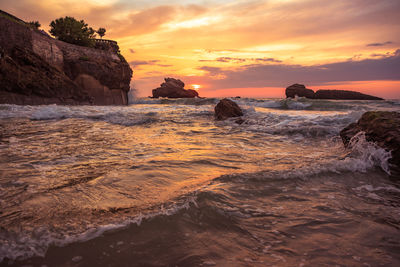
(36, 69)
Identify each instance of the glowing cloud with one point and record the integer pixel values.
(242, 44)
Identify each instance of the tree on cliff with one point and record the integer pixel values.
(34, 24)
(70, 30)
(101, 32)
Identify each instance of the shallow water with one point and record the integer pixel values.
(161, 183)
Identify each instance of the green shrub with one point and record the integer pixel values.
(72, 31)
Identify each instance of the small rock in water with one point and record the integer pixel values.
(239, 121)
(174, 88)
(77, 258)
(226, 108)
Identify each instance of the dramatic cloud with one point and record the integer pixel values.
(211, 70)
(260, 75)
(137, 63)
(240, 60)
(268, 60)
(239, 44)
(143, 62)
(145, 21)
(380, 44)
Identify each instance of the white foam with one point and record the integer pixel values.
(23, 245)
(369, 153)
(364, 156)
(371, 188)
(304, 124)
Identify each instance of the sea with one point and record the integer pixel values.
(160, 182)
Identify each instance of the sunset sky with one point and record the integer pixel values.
(245, 48)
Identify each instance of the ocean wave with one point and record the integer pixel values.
(121, 115)
(27, 244)
(302, 103)
(362, 157)
(175, 101)
(290, 124)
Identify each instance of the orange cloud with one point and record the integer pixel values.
(233, 44)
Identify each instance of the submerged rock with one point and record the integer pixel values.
(226, 108)
(174, 88)
(381, 127)
(301, 91)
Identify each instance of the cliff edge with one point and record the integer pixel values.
(37, 69)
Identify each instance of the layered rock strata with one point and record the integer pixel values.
(37, 69)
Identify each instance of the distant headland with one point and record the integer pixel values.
(301, 91)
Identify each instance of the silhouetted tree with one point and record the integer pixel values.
(101, 32)
(34, 24)
(70, 30)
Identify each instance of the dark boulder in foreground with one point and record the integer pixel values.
(381, 127)
(174, 88)
(301, 91)
(226, 108)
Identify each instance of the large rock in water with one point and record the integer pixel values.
(173, 88)
(226, 108)
(37, 69)
(381, 127)
(301, 91)
(343, 95)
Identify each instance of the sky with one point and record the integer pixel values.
(244, 48)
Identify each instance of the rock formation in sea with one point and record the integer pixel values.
(37, 69)
(343, 95)
(301, 91)
(380, 127)
(174, 88)
(227, 108)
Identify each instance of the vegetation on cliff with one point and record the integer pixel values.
(34, 24)
(72, 31)
(101, 32)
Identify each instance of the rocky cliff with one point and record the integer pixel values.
(37, 69)
(301, 91)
